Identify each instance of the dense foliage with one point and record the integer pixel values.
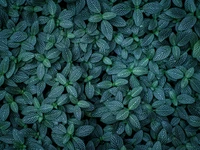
(100, 74)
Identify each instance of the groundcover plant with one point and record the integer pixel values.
(99, 74)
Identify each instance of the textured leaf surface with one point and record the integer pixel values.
(162, 53)
(185, 99)
(56, 92)
(94, 6)
(164, 110)
(107, 29)
(83, 131)
(175, 73)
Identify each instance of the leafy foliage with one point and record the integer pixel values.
(99, 74)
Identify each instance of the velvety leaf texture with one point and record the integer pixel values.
(99, 74)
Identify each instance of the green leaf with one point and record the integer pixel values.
(104, 85)
(56, 92)
(109, 15)
(107, 29)
(83, 104)
(120, 82)
(45, 108)
(66, 24)
(84, 130)
(189, 73)
(71, 90)
(3, 3)
(17, 137)
(190, 5)
(118, 22)
(65, 14)
(107, 61)
(114, 105)
(78, 143)
(195, 84)
(152, 8)
(157, 146)
(124, 73)
(49, 27)
(53, 53)
(194, 121)
(30, 118)
(134, 103)
(26, 56)
(159, 93)
(134, 121)
(116, 142)
(75, 74)
(140, 71)
(135, 91)
(40, 71)
(61, 79)
(94, 6)
(19, 36)
(4, 125)
(4, 111)
(185, 99)
(122, 114)
(175, 73)
(196, 50)
(162, 53)
(147, 40)
(164, 110)
(137, 2)
(4, 66)
(138, 17)
(95, 18)
(176, 13)
(14, 107)
(51, 7)
(187, 23)
(102, 44)
(121, 9)
(89, 90)
(162, 136)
